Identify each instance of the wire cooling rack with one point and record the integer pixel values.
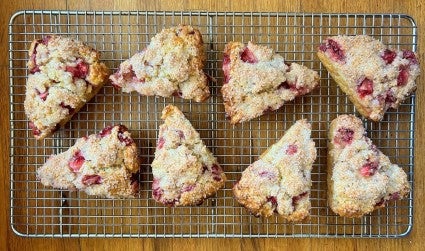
(38, 211)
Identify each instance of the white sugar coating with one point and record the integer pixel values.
(172, 64)
(351, 193)
(112, 157)
(363, 57)
(53, 91)
(280, 180)
(253, 87)
(185, 172)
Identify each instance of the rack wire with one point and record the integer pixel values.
(38, 211)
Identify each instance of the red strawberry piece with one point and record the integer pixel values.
(33, 59)
(411, 56)
(344, 136)
(248, 57)
(369, 169)
(226, 68)
(267, 174)
(68, 107)
(380, 203)
(216, 172)
(157, 192)
(127, 140)
(91, 179)
(170, 203)
(35, 130)
(295, 199)
(160, 144)
(334, 49)
(272, 200)
(123, 138)
(365, 87)
(106, 131)
(389, 98)
(79, 71)
(116, 76)
(131, 74)
(35, 69)
(45, 40)
(77, 161)
(388, 56)
(395, 196)
(291, 150)
(402, 77)
(181, 134)
(122, 128)
(188, 188)
(43, 95)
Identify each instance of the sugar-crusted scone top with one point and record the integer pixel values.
(279, 181)
(256, 80)
(184, 171)
(170, 65)
(64, 75)
(362, 177)
(100, 164)
(374, 76)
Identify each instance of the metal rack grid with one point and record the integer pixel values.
(37, 211)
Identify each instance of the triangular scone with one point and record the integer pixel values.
(64, 75)
(257, 80)
(100, 164)
(171, 65)
(373, 76)
(360, 177)
(279, 181)
(184, 171)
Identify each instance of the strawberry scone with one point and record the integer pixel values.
(257, 80)
(279, 181)
(360, 177)
(64, 75)
(171, 65)
(101, 164)
(373, 76)
(184, 171)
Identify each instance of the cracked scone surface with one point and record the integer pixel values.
(171, 65)
(257, 80)
(280, 180)
(100, 164)
(64, 74)
(374, 77)
(360, 177)
(184, 170)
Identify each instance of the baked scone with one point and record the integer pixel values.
(257, 80)
(373, 76)
(279, 181)
(184, 170)
(360, 177)
(171, 65)
(64, 75)
(100, 164)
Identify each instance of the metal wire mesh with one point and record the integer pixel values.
(38, 211)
